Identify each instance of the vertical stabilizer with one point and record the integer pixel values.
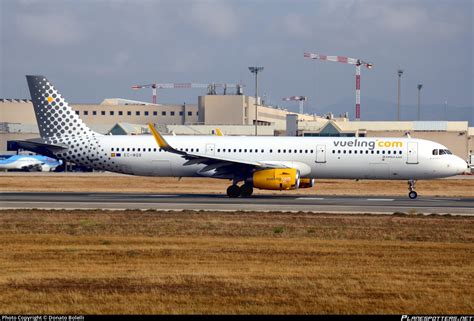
(54, 115)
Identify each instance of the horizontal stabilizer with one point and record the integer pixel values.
(36, 145)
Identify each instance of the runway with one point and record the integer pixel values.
(209, 202)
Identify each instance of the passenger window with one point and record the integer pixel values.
(138, 149)
(284, 151)
(192, 149)
(339, 151)
(400, 152)
(218, 150)
(123, 149)
(112, 149)
(263, 150)
(388, 152)
(271, 150)
(296, 151)
(154, 149)
(133, 149)
(366, 151)
(333, 151)
(383, 152)
(235, 150)
(289, 151)
(344, 151)
(378, 152)
(245, 150)
(240, 150)
(350, 152)
(279, 151)
(250, 150)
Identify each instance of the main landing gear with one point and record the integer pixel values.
(411, 187)
(234, 190)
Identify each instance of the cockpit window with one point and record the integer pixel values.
(442, 152)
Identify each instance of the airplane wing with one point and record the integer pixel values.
(223, 166)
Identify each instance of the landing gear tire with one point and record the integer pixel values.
(412, 195)
(233, 191)
(246, 190)
(411, 187)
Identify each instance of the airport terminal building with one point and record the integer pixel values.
(233, 115)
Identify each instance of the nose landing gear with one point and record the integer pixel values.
(411, 187)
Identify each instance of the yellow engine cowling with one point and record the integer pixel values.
(276, 179)
(306, 182)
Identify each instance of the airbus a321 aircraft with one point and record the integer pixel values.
(272, 163)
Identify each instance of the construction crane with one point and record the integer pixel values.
(211, 88)
(301, 100)
(350, 61)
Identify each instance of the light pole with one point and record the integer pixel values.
(256, 70)
(446, 110)
(419, 94)
(400, 73)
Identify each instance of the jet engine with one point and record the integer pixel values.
(306, 182)
(276, 179)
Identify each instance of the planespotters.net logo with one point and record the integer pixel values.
(437, 318)
(42, 318)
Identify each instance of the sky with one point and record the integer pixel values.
(93, 50)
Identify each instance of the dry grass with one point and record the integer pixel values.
(53, 182)
(202, 262)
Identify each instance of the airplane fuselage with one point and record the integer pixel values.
(315, 157)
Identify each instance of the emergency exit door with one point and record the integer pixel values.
(321, 154)
(412, 153)
(210, 149)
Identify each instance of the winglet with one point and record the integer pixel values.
(219, 132)
(159, 139)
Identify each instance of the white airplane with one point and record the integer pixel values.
(272, 163)
(29, 162)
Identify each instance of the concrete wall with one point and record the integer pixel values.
(222, 110)
(137, 114)
(23, 113)
(227, 130)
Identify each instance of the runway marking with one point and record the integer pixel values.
(381, 199)
(311, 198)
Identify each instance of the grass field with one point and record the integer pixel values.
(210, 262)
(97, 182)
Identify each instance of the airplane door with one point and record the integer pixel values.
(321, 154)
(210, 149)
(412, 153)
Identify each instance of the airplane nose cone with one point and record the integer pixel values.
(460, 165)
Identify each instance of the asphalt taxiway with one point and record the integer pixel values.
(323, 204)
